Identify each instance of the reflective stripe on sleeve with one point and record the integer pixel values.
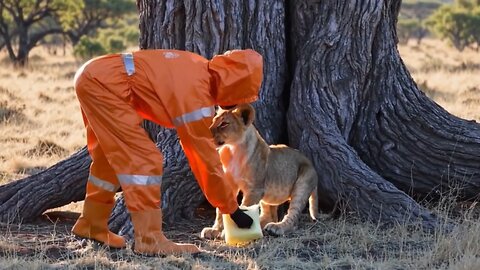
(128, 62)
(142, 180)
(194, 116)
(102, 183)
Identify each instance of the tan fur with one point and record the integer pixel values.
(269, 175)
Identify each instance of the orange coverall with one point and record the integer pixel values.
(175, 89)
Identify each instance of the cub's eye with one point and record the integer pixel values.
(224, 125)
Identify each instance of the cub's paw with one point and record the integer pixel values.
(211, 233)
(275, 229)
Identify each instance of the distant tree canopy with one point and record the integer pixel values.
(109, 39)
(459, 23)
(24, 23)
(411, 28)
(94, 14)
(411, 20)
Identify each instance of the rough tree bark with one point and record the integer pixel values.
(333, 71)
(26, 199)
(372, 135)
(353, 108)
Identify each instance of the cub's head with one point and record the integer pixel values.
(229, 126)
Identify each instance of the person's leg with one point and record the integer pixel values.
(136, 161)
(99, 200)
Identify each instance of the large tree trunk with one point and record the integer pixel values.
(333, 71)
(410, 140)
(353, 108)
(61, 184)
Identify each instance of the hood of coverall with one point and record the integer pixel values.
(236, 77)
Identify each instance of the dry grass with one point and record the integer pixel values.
(451, 78)
(327, 244)
(40, 120)
(40, 124)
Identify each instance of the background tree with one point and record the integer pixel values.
(412, 17)
(17, 17)
(457, 22)
(94, 15)
(411, 28)
(88, 48)
(333, 71)
(475, 27)
(24, 23)
(113, 39)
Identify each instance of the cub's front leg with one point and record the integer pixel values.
(216, 230)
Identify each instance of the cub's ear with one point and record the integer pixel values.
(246, 112)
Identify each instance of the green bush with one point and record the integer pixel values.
(88, 48)
(116, 44)
(132, 35)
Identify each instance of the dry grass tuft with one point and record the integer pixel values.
(23, 166)
(46, 148)
(11, 114)
(45, 98)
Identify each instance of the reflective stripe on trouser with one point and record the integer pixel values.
(126, 146)
(142, 192)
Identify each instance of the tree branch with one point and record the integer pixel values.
(4, 31)
(35, 7)
(35, 38)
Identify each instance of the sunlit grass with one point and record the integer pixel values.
(328, 244)
(38, 105)
(450, 77)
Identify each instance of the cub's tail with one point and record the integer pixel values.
(313, 204)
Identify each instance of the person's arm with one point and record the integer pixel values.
(197, 143)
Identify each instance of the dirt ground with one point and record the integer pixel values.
(50, 233)
(48, 244)
(326, 244)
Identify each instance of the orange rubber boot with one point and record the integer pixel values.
(93, 224)
(149, 237)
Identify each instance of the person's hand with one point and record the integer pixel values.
(242, 220)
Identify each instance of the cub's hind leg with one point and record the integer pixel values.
(302, 190)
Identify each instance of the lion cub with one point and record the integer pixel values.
(269, 175)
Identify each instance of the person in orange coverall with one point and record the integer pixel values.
(175, 89)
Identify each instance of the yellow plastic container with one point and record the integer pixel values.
(235, 236)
